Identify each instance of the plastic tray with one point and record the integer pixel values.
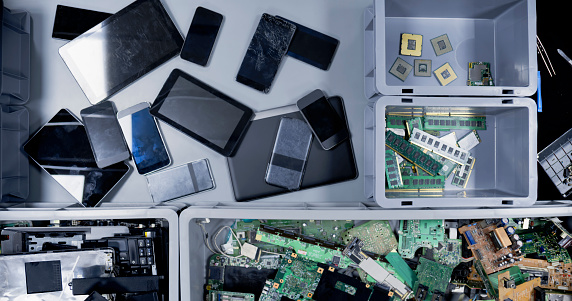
(14, 164)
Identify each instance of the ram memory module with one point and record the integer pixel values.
(412, 153)
(442, 123)
(423, 182)
(462, 173)
(392, 171)
(396, 121)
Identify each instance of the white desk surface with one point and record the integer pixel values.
(53, 86)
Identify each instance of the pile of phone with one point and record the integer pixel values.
(73, 259)
(294, 137)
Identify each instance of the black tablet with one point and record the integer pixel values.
(121, 49)
(202, 112)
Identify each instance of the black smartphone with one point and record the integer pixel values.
(143, 138)
(201, 37)
(323, 120)
(312, 47)
(71, 22)
(104, 134)
(265, 52)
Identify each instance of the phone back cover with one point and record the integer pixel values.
(290, 154)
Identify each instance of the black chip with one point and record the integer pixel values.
(437, 143)
(456, 153)
(430, 121)
(479, 123)
(430, 141)
(454, 122)
(403, 146)
(444, 147)
(423, 138)
(392, 176)
(422, 160)
(391, 169)
(409, 150)
(464, 176)
(415, 182)
(432, 181)
(393, 182)
(462, 123)
(435, 166)
(473, 123)
(393, 122)
(416, 155)
(450, 150)
(450, 247)
(390, 162)
(462, 182)
(406, 182)
(442, 122)
(43, 276)
(427, 181)
(390, 138)
(336, 260)
(417, 135)
(455, 180)
(216, 273)
(438, 181)
(448, 122)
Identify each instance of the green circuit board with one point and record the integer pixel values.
(229, 296)
(423, 182)
(415, 234)
(392, 171)
(545, 244)
(396, 121)
(448, 165)
(447, 123)
(447, 252)
(412, 153)
(433, 278)
(515, 274)
(217, 264)
(401, 268)
(377, 237)
(297, 279)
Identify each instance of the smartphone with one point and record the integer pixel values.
(201, 37)
(104, 134)
(312, 47)
(323, 120)
(143, 138)
(289, 154)
(265, 52)
(180, 181)
(71, 22)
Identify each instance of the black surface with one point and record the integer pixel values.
(201, 36)
(246, 280)
(115, 285)
(555, 118)
(63, 149)
(43, 276)
(265, 52)
(325, 122)
(137, 39)
(248, 165)
(95, 296)
(312, 47)
(202, 112)
(71, 22)
(326, 290)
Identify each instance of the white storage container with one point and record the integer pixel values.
(195, 255)
(500, 32)
(50, 212)
(505, 170)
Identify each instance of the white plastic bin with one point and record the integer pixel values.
(194, 253)
(49, 212)
(501, 32)
(505, 170)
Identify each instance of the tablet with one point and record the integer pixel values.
(121, 49)
(202, 112)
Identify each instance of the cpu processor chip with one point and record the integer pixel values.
(401, 69)
(411, 44)
(441, 44)
(422, 68)
(445, 74)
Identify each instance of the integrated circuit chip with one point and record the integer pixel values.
(411, 44)
(401, 69)
(422, 68)
(445, 74)
(441, 44)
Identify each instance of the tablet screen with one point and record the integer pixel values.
(121, 49)
(201, 112)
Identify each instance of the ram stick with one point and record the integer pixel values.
(438, 146)
(412, 153)
(446, 123)
(392, 172)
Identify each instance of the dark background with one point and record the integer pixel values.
(555, 118)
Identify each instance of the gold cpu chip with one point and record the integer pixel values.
(411, 44)
(445, 74)
(401, 69)
(441, 44)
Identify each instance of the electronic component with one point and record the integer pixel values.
(401, 268)
(377, 237)
(448, 165)
(422, 68)
(509, 291)
(555, 275)
(411, 44)
(438, 122)
(513, 276)
(415, 234)
(396, 121)
(436, 145)
(115, 285)
(447, 252)
(433, 279)
(335, 286)
(480, 237)
(412, 153)
(392, 172)
(297, 279)
(201, 36)
(469, 141)
(354, 252)
(401, 69)
(423, 182)
(480, 74)
(229, 296)
(43, 276)
(463, 173)
(441, 44)
(555, 160)
(221, 268)
(450, 138)
(445, 74)
(542, 242)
